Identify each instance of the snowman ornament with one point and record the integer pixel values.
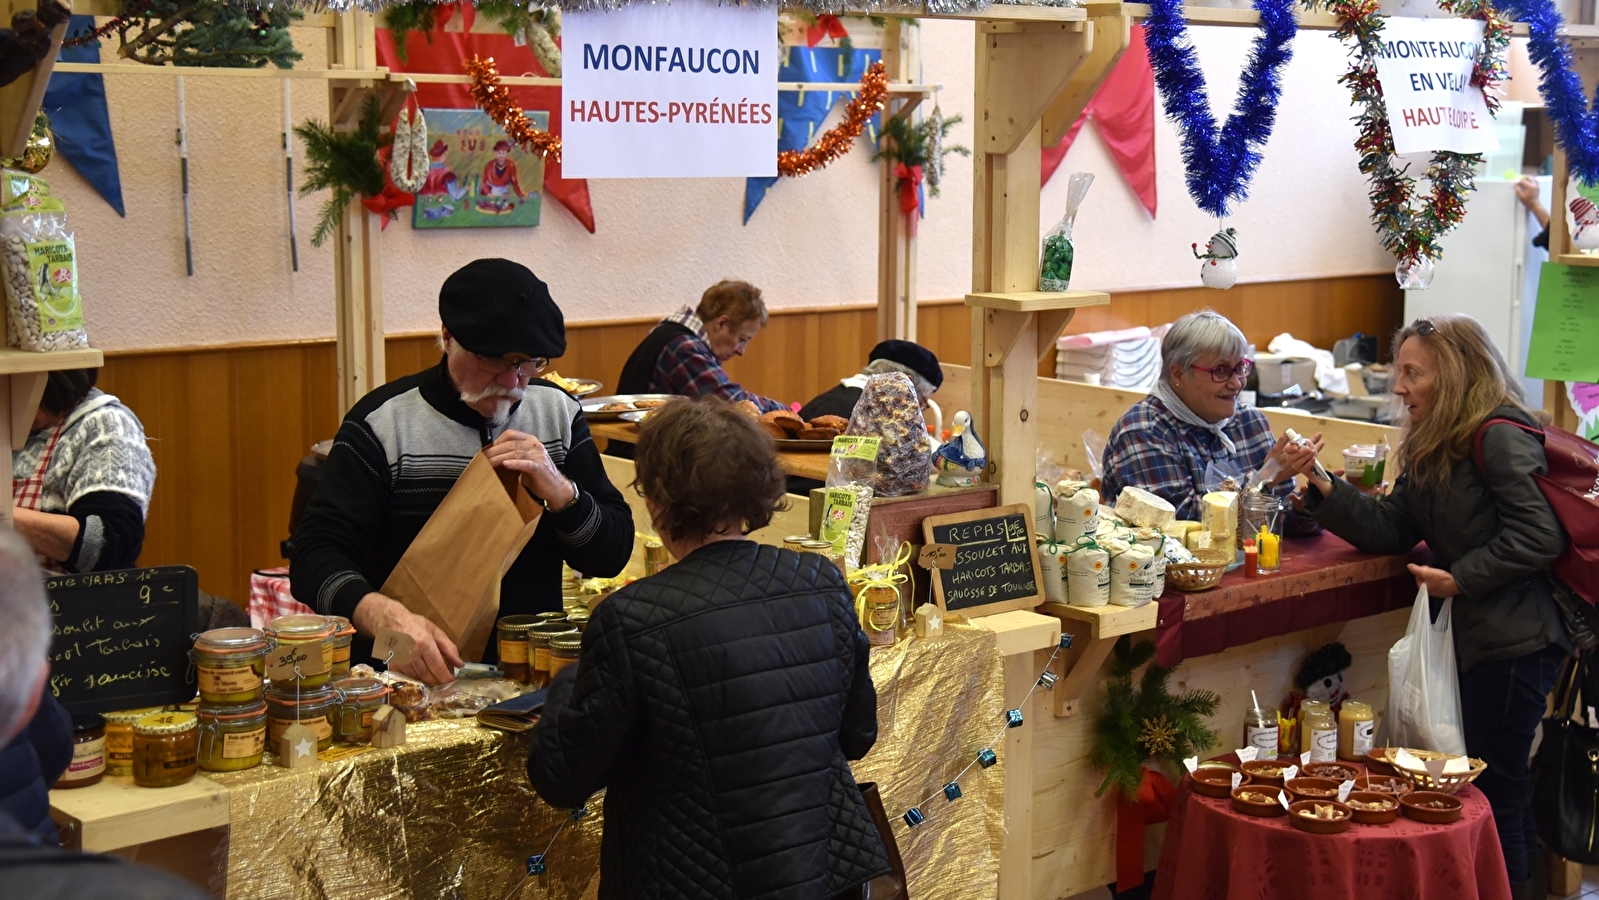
(1219, 263)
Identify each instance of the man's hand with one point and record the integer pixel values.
(1298, 459)
(525, 454)
(436, 656)
(1439, 583)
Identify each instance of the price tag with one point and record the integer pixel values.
(1304, 758)
(1247, 754)
(937, 556)
(398, 643)
(297, 747)
(1191, 763)
(283, 660)
(1282, 797)
(1344, 789)
(1290, 774)
(1435, 768)
(1238, 779)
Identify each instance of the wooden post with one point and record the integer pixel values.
(896, 248)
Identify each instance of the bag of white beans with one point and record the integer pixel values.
(38, 260)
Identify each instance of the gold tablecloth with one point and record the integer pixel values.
(451, 815)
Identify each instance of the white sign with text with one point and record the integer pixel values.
(686, 90)
(1425, 69)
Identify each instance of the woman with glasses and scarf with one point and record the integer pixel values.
(1192, 418)
(1492, 537)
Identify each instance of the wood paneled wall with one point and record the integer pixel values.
(227, 425)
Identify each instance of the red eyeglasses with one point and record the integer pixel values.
(1225, 373)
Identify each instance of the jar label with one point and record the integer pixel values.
(1361, 742)
(366, 718)
(88, 760)
(1263, 737)
(513, 651)
(341, 653)
(1323, 745)
(242, 746)
(187, 762)
(232, 680)
(541, 658)
(320, 726)
(119, 744)
(560, 662)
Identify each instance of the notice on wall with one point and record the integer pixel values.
(1425, 69)
(1565, 325)
(686, 90)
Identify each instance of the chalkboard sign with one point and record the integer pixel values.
(122, 638)
(996, 560)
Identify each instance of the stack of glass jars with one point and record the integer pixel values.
(229, 725)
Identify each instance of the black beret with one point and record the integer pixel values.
(494, 307)
(912, 356)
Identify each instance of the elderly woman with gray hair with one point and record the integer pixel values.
(1192, 418)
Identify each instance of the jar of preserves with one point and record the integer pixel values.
(564, 651)
(1356, 723)
(310, 631)
(232, 737)
(551, 616)
(165, 745)
(229, 664)
(119, 739)
(513, 646)
(343, 636)
(359, 698)
(796, 542)
(1260, 731)
(314, 708)
(1319, 733)
(88, 753)
(578, 620)
(538, 639)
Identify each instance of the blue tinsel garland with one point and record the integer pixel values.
(1576, 124)
(1220, 161)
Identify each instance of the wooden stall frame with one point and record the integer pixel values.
(1585, 51)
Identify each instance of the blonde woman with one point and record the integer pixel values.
(1492, 537)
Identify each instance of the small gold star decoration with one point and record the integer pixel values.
(1159, 736)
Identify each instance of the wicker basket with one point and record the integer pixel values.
(1445, 784)
(1202, 574)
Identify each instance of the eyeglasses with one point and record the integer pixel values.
(1224, 373)
(499, 365)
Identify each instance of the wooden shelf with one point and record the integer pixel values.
(1021, 631)
(1107, 621)
(21, 362)
(116, 813)
(1577, 259)
(1038, 301)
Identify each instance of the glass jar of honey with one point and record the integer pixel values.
(1318, 732)
(229, 664)
(165, 746)
(309, 631)
(314, 708)
(513, 646)
(119, 739)
(343, 636)
(232, 737)
(359, 698)
(1356, 724)
(538, 638)
(88, 753)
(564, 651)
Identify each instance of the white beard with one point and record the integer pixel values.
(504, 399)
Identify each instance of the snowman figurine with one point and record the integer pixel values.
(1219, 268)
(1584, 223)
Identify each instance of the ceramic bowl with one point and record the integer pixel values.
(1377, 762)
(1373, 816)
(1254, 808)
(1215, 781)
(1297, 810)
(1384, 784)
(1323, 789)
(1337, 771)
(1412, 804)
(1266, 771)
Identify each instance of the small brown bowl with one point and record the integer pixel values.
(1266, 771)
(1373, 816)
(1319, 826)
(1323, 789)
(1450, 811)
(1337, 771)
(1256, 808)
(1215, 781)
(1377, 762)
(1393, 785)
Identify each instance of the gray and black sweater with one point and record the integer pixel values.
(401, 449)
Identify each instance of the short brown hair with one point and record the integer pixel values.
(702, 463)
(740, 301)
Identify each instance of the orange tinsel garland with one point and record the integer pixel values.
(495, 100)
(835, 142)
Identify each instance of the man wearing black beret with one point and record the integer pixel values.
(402, 447)
(907, 357)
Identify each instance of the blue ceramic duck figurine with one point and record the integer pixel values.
(961, 460)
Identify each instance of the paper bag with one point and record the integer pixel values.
(451, 573)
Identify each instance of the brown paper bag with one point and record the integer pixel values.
(451, 573)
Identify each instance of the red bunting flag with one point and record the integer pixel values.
(1124, 110)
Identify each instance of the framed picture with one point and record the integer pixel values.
(478, 178)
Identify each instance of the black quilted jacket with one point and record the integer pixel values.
(718, 704)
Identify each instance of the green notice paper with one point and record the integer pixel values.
(1565, 327)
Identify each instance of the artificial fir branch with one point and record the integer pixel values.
(1141, 719)
(403, 19)
(213, 33)
(344, 162)
(902, 142)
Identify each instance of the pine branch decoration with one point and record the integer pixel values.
(344, 162)
(404, 19)
(209, 33)
(1140, 719)
(913, 145)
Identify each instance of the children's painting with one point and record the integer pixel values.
(477, 177)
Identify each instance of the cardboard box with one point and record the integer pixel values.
(1278, 372)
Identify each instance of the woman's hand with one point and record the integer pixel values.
(1438, 582)
(51, 535)
(1300, 459)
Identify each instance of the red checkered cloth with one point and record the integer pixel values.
(270, 597)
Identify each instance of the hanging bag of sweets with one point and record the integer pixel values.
(43, 309)
(891, 410)
(1132, 576)
(847, 497)
(1076, 510)
(877, 600)
(1052, 569)
(1055, 269)
(1087, 574)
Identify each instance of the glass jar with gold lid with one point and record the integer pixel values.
(314, 708)
(310, 631)
(165, 745)
(551, 616)
(359, 698)
(229, 664)
(232, 737)
(564, 651)
(538, 638)
(119, 738)
(343, 636)
(514, 651)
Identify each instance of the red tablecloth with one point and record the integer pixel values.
(1214, 853)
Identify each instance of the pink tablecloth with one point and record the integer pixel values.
(1214, 853)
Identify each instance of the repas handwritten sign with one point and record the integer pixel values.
(996, 560)
(122, 638)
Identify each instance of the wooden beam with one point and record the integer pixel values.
(19, 100)
(1027, 65)
(27, 389)
(896, 244)
(1112, 34)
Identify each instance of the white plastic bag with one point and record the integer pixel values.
(1423, 691)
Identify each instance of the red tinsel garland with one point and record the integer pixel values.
(495, 100)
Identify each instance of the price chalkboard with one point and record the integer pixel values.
(996, 560)
(122, 638)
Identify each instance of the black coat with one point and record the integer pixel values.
(1493, 530)
(718, 704)
(32, 762)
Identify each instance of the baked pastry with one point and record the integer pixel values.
(837, 423)
(817, 434)
(616, 407)
(748, 408)
(784, 419)
(776, 431)
(649, 404)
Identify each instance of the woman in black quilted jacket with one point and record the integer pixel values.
(719, 702)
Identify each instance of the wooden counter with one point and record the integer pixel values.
(801, 465)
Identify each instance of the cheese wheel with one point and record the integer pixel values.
(1180, 528)
(1140, 507)
(1219, 514)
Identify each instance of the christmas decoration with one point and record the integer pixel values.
(1584, 222)
(960, 461)
(1408, 231)
(344, 162)
(214, 33)
(1576, 122)
(1123, 110)
(1220, 267)
(1219, 161)
(1159, 736)
(27, 41)
(1320, 677)
(917, 152)
(405, 19)
(538, 26)
(408, 156)
(40, 147)
(495, 100)
(835, 142)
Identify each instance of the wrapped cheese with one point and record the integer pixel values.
(890, 409)
(1087, 575)
(1197, 540)
(1140, 507)
(1156, 542)
(1132, 576)
(1043, 510)
(1051, 562)
(1219, 515)
(1076, 510)
(1180, 528)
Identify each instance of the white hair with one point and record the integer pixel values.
(25, 635)
(1196, 335)
(924, 388)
